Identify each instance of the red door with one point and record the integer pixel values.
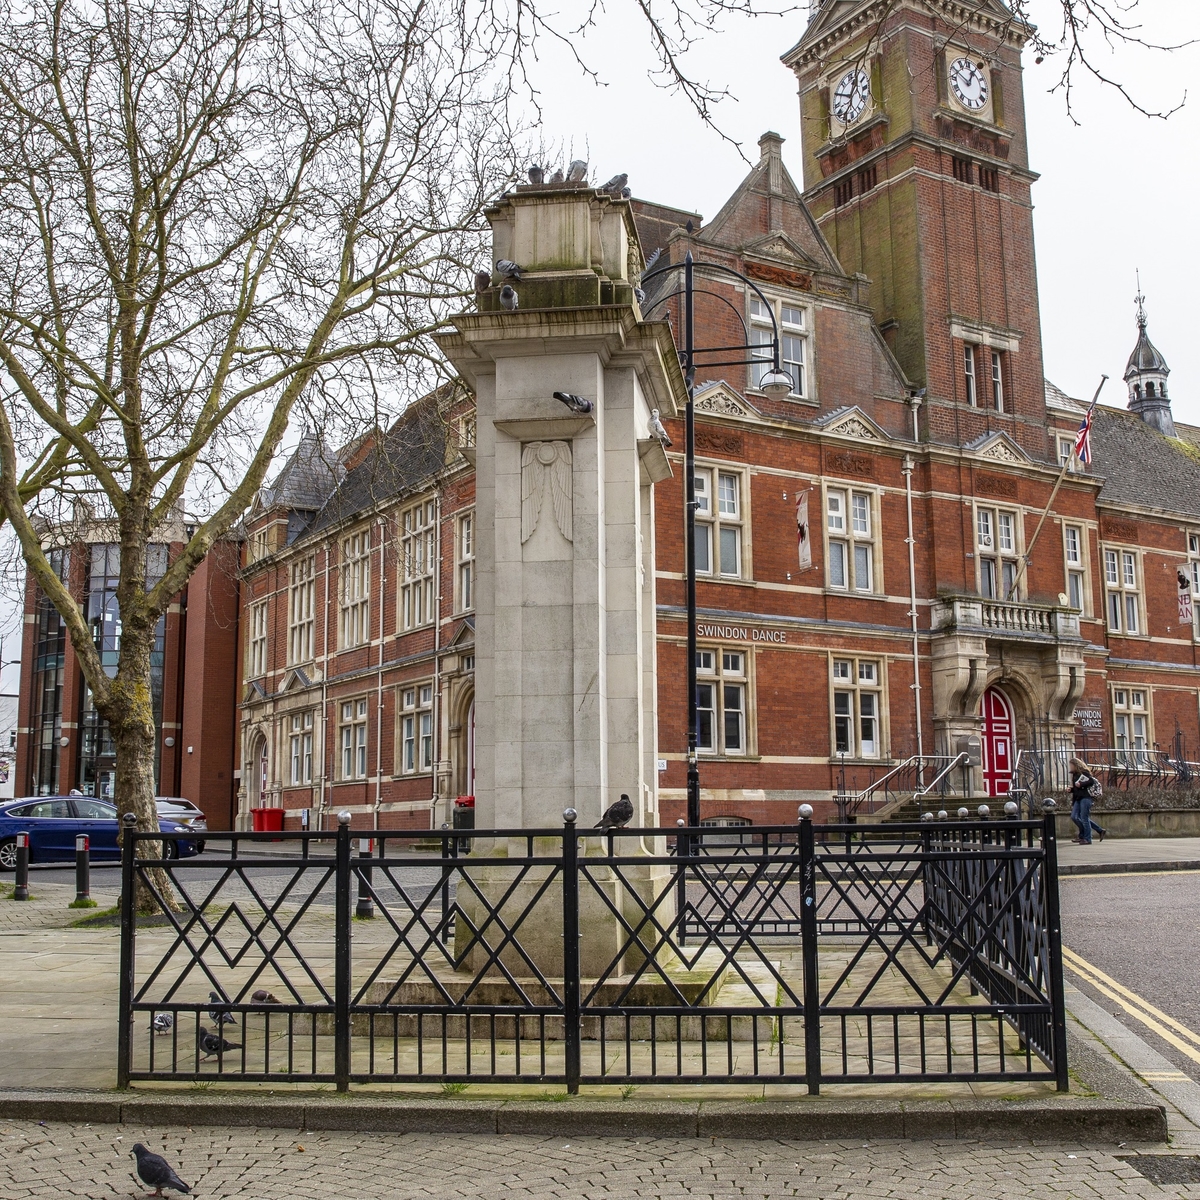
(997, 743)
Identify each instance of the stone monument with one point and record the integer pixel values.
(565, 702)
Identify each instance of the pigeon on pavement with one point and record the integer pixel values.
(508, 269)
(657, 428)
(154, 1171)
(508, 298)
(212, 1043)
(217, 1015)
(162, 1022)
(618, 815)
(575, 403)
(262, 996)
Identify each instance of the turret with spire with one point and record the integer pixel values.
(1146, 376)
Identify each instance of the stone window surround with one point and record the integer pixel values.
(1016, 555)
(1121, 588)
(302, 592)
(256, 643)
(357, 719)
(411, 727)
(847, 486)
(417, 589)
(301, 733)
(746, 680)
(354, 575)
(1118, 692)
(717, 467)
(464, 560)
(1083, 567)
(778, 297)
(880, 688)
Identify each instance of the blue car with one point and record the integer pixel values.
(53, 822)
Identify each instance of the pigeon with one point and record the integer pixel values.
(657, 428)
(618, 815)
(575, 403)
(508, 298)
(536, 175)
(616, 183)
(211, 1043)
(652, 260)
(215, 1014)
(154, 1171)
(641, 296)
(162, 1022)
(626, 193)
(557, 177)
(508, 269)
(262, 996)
(483, 281)
(577, 171)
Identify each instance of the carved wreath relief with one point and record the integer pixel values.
(545, 465)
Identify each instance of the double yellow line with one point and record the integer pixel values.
(1167, 1028)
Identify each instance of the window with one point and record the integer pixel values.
(260, 544)
(989, 179)
(301, 605)
(793, 341)
(418, 557)
(258, 640)
(721, 701)
(1073, 544)
(964, 170)
(1066, 453)
(416, 729)
(997, 381)
(996, 543)
(301, 747)
(850, 523)
(969, 375)
(857, 705)
(719, 523)
(356, 588)
(1131, 722)
(353, 737)
(466, 562)
(1121, 582)
(843, 192)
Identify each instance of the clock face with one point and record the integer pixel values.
(850, 96)
(969, 83)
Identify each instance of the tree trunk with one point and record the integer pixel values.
(130, 715)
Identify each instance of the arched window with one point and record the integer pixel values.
(1150, 390)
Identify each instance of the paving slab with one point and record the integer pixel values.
(1125, 855)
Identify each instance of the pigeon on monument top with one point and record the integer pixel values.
(577, 404)
(483, 281)
(508, 297)
(508, 269)
(211, 1043)
(616, 183)
(617, 815)
(557, 177)
(154, 1171)
(657, 428)
(536, 175)
(577, 171)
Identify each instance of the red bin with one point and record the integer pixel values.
(267, 820)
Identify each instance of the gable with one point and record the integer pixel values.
(850, 421)
(998, 447)
(719, 399)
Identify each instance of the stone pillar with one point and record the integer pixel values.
(565, 597)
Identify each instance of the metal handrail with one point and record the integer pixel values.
(851, 803)
(958, 761)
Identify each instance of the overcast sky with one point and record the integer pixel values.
(1117, 190)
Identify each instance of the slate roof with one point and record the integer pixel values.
(407, 456)
(1139, 465)
(306, 480)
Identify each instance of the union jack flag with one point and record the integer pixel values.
(1083, 439)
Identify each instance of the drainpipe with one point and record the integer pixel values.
(382, 527)
(907, 469)
(435, 715)
(326, 792)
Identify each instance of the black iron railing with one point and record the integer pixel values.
(797, 954)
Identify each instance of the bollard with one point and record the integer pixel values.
(365, 906)
(83, 886)
(21, 891)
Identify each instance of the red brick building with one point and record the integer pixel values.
(972, 587)
(62, 743)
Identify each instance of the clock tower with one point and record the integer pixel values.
(916, 169)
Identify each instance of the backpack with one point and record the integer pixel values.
(1095, 791)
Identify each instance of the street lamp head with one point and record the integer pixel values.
(777, 384)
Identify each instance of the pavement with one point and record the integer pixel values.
(1129, 855)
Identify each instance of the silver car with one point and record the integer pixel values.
(176, 808)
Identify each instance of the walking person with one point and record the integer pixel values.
(1085, 790)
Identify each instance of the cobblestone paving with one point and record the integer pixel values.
(94, 1162)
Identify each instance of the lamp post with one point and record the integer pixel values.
(777, 384)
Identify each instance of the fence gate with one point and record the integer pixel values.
(786, 954)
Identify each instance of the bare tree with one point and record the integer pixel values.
(209, 208)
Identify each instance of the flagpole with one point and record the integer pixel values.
(1025, 558)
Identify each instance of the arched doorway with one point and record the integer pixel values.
(471, 749)
(258, 771)
(998, 748)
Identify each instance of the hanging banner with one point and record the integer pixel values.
(803, 534)
(1185, 599)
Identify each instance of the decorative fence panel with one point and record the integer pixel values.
(792, 954)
